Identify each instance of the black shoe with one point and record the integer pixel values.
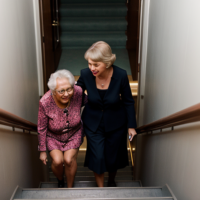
(112, 184)
(61, 184)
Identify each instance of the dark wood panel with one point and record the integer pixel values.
(133, 59)
(133, 28)
(51, 55)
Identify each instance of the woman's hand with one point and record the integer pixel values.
(43, 157)
(132, 133)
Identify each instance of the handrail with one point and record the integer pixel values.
(188, 115)
(130, 149)
(9, 119)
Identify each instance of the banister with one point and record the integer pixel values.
(188, 115)
(9, 119)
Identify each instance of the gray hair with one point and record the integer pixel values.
(60, 74)
(101, 52)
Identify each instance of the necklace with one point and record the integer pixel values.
(108, 77)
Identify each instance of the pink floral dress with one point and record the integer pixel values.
(60, 128)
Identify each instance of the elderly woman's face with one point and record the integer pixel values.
(64, 91)
(97, 68)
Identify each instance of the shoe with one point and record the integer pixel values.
(112, 184)
(61, 184)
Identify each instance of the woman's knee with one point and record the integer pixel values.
(70, 157)
(69, 161)
(57, 161)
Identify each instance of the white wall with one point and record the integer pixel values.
(18, 64)
(172, 83)
(19, 158)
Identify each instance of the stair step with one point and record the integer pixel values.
(92, 178)
(94, 193)
(78, 184)
(93, 10)
(90, 173)
(93, 24)
(86, 169)
(91, 1)
(134, 198)
(86, 39)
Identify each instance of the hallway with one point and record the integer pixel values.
(82, 23)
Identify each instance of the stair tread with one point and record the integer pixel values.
(92, 178)
(90, 173)
(94, 33)
(93, 10)
(82, 39)
(91, 1)
(93, 19)
(119, 192)
(93, 5)
(78, 184)
(133, 198)
(86, 169)
(93, 25)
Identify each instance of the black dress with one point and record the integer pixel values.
(106, 118)
(106, 151)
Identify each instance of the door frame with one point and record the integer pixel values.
(47, 57)
(143, 47)
(38, 46)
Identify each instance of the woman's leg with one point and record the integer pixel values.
(95, 159)
(57, 163)
(70, 165)
(116, 153)
(99, 179)
(111, 177)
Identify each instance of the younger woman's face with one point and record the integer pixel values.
(97, 68)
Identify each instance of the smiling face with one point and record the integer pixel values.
(97, 68)
(63, 85)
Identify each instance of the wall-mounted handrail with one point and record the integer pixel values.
(188, 115)
(9, 119)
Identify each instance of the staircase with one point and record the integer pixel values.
(85, 188)
(84, 22)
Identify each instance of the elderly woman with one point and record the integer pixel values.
(108, 115)
(59, 125)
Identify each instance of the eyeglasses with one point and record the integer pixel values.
(69, 90)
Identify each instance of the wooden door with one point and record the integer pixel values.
(50, 31)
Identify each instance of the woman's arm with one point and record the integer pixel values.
(85, 99)
(42, 131)
(81, 83)
(42, 127)
(128, 102)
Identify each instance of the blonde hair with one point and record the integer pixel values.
(101, 52)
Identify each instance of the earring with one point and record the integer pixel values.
(107, 67)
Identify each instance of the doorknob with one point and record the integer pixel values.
(55, 23)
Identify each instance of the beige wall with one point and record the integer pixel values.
(20, 164)
(18, 67)
(172, 83)
(19, 159)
